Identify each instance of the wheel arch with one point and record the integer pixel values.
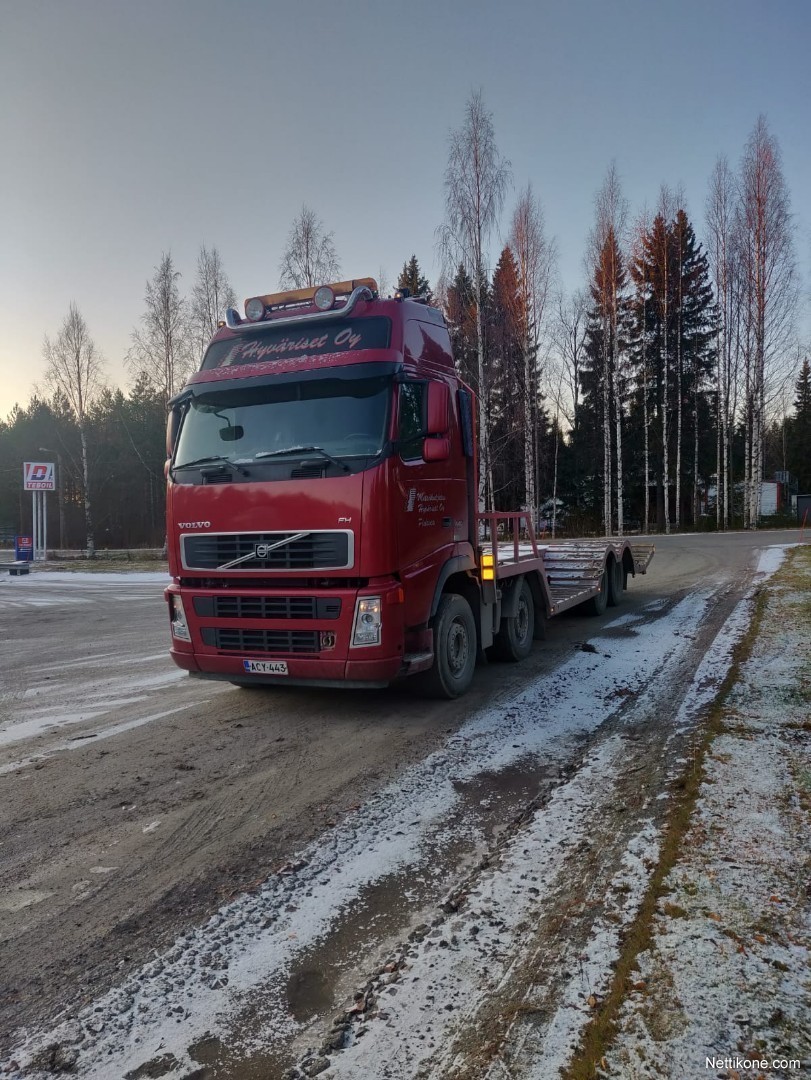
(455, 577)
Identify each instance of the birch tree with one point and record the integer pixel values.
(569, 341)
(74, 371)
(212, 293)
(678, 373)
(768, 260)
(607, 266)
(162, 345)
(476, 180)
(309, 257)
(535, 257)
(640, 273)
(661, 245)
(720, 213)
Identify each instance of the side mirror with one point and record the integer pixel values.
(436, 449)
(438, 402)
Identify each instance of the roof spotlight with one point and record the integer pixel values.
(255, 308)
(324, 298)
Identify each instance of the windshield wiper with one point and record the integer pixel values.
(303, 450)
(218, 458)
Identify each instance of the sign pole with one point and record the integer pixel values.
(38, 477)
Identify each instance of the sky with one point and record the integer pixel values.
(133, 129)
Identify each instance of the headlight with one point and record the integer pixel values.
(180, 628)
(366, 629)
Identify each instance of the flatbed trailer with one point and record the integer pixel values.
(569, 572)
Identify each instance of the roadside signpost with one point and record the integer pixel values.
(39, 477)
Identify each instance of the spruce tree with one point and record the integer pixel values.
(411, 278)
(799, 448)
(506, 337)
(603, 376)
(672, 354)
(460, 315)
(695, 350)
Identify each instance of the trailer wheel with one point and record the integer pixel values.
(514, 640)
(598, 603)
(454, 649)
(616, 583)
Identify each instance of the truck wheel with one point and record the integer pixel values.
(616, 583)
(454, 649)
(514, 640)
(598, 603)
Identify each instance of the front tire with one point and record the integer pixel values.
(454, 649)
(514, 641)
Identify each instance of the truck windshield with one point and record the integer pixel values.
(343, 418)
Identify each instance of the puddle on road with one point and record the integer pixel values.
(494, 799)
(310, 991)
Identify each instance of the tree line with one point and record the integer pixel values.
(659, 395)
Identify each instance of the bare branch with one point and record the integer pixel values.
(476, 180)
(211, 294)
(162, 345)
(309, 257)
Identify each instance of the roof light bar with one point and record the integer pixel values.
(298, 297)
(300, 313)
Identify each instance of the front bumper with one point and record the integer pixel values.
(339, 665)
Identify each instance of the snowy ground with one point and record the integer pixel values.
(504, 974)
(725, 989)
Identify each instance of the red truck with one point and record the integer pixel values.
(323, 526)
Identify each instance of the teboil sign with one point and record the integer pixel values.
(38, 476)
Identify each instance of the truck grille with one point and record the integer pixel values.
(261, 641)
(267, 607)
(276, 551)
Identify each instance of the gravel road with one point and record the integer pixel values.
(213, 873)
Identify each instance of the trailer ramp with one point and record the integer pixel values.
(574, 568)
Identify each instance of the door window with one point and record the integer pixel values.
(412, 420)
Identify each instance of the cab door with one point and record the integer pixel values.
(430, 496)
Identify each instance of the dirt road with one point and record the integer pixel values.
(196, 879)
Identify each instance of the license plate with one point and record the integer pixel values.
(265, 667)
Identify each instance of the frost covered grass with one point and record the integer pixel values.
(726, 972)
